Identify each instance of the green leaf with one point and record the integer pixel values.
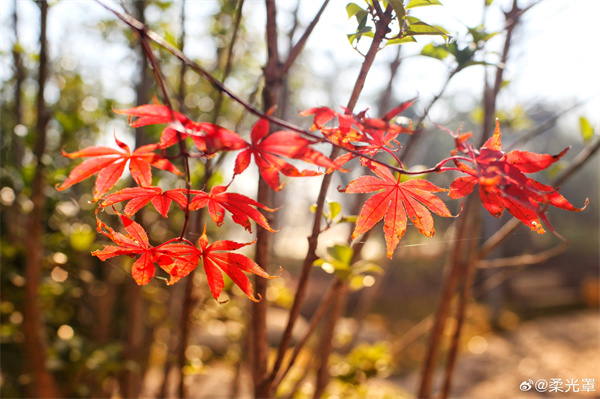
(418, 27)
(352, 9)
(398, 8)
(406, 39)
(422, 3)
(587, 131)
(348, 219)
(480, 35)
(437, 52)
(334, 209)
(356, 36)
(356, 283)
(82, 237)
(341, 253)
(364, 267)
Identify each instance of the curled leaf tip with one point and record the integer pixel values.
(254, 299)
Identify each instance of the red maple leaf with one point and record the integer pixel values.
(359, 133)
(140, 196)
(503, 184)
(177, 257)
(393, 202)
(110, 163)
(216, 259)
(209, 138)
(269, 149)
(240, 206)
(133, 244)
(151, 114)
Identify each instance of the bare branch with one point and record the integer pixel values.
(521, 260)
(295, 51)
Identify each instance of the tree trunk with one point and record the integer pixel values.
(44, 385)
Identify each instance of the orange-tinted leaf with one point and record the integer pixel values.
(178, 259)
(216, 258)
(268, 151)
(530, 162)
(110, 163)
(396, 202)
(138, 197)
(151, 114)
(241, 207)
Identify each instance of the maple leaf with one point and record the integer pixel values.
(185, 259)
(110, 163)
(240, 206)
(209, 138)
(359, 133)
(140, 196)
(268, 150)
(133, 244)
(503, 184)
(217, 258)
(395, 202)
(151, 114)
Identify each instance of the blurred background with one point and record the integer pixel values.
(92, 331)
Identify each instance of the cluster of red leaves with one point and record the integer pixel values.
(179, 257)
(358, 133)
(503, 184)
(110, 163)
(501, 178)
(394, 201)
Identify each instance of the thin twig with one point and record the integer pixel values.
(229, 59)
(316, 230)
(544, 126)
(314, 322)
(248, 106)
(295, 51)
(526, 259)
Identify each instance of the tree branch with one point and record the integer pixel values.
(295, 51)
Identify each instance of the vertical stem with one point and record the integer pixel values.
(16, 142)
(271, 91)
(313, 239)
(450, 283)
(44, 384)
(468, 267)
(341, 289)
(463, 266)
(136, 328)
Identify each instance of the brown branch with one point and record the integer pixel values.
(247, 105)
(468, 263)
(521, 260)
(229, 60)
(295, 51)
(414, 138)
(183, 152)
(181, 93)
(450, 283)
(313, 240)
(337, 308)
(314, 322)
(44, 385)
